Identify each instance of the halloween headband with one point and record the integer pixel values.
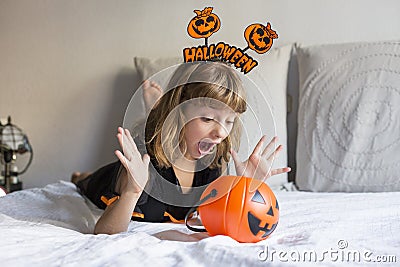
(259, 38)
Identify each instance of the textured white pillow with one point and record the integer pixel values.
(270, 76)
(349, 117)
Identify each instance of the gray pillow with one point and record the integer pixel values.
(349, 117)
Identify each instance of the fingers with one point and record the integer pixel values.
(126, 135)
(121, 158)
(175, 235)
(267, 150)
(146, 159)
(127, 143)
(274, 154)
(120, 137)
(281, 170)
(200, 236)
(258, 147)
(270, 146)
(130, 139)
(124, 160)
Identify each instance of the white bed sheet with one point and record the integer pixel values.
(51, 226)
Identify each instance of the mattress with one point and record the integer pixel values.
(52, 226)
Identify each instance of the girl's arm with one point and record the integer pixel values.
(117, 215)
(131, 182)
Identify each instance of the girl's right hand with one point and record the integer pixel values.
(137, 168)
(259, 163)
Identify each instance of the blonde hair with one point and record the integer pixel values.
(206, 81)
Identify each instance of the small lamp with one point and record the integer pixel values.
(13, 141)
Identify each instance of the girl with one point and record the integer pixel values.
(189, 136)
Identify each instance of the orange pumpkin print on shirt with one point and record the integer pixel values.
(259, 37)
(204, 24)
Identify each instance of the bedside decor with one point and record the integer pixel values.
(13, 141)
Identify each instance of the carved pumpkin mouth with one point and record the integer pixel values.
(264, 42)
(254, 224)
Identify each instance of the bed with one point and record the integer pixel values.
(342, 207)
(52, 226)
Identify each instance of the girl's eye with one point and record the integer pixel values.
(205, 119)
(230, 122)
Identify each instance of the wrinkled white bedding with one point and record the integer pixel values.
(51, 226)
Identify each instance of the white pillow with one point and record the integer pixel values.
(349, 117)
(271, 77)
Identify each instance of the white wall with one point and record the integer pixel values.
(66, 69)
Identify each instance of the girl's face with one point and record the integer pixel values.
(205, 128)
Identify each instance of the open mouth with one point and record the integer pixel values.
(206, 147)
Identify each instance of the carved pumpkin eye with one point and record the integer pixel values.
(258, 198)
(199, 22)
(260, 32)
(270, 211)
(210, 19)
(266, 40)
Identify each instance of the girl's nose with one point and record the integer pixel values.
(220, 131)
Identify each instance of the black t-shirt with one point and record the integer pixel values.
(154, 205)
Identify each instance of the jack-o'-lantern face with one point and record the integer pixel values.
(262, 224)
(204, 24)
(260, 37)
(229, 208)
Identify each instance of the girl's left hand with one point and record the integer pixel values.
(136, 166)
(259, 163)
(175, 235)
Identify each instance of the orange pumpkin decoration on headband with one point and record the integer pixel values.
(229, 208)
(204, 24)
(259, 37)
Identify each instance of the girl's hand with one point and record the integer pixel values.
(175, 235)
(137, 168)
(259, 163)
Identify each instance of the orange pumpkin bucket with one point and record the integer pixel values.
(229, 208)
